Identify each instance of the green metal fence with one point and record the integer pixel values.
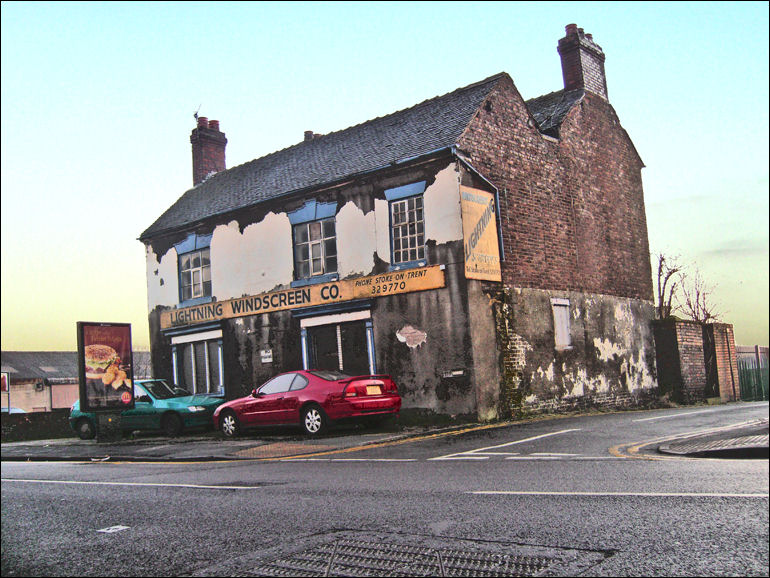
(753, 373)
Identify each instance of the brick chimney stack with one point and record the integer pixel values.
(208, 149)
(582, 62)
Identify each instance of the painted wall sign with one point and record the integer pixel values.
(105, 366)
(482, 252)
(392, 283)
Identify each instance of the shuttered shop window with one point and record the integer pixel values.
(199, 366)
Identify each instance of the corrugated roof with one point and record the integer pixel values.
(429, 126)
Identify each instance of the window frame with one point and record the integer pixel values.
(394, 196)
(202, 270)
(418, 223)
(322, 241)
(194, 243)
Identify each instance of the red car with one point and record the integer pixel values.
(312, 399)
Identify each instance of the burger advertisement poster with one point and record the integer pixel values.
(105, 366)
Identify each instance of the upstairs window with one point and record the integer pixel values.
(315, 249)
(407, 230)
(195, 274)
(407, 225)
(314, 235)
(194, 267)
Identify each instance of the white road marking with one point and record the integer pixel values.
(134, 484)
(470, 454)
(674, 415)
(621, 494)
(113, 529)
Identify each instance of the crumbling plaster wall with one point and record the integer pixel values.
(248, 258)
(611, 358)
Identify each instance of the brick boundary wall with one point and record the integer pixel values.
(18, 427)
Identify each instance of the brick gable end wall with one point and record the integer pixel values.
(572, 212)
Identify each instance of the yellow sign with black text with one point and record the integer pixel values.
(482, 251)
(380, 285)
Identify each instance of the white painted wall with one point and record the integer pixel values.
(162, 279)
(356, 241)
(443, 213)
(252, 262)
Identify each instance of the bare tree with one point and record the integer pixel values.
(697, 300)
(670, 278)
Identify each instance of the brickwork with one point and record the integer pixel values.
(722, 339)
(208, 149)
(689, 338)
(582, 62)
(572, 211)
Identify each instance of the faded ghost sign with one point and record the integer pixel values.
(482, 252)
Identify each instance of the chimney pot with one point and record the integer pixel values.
(582, 62)
(308, 135)
(208, 149)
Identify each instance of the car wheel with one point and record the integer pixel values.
(229, 425)
(314, 420)
(85, 429)
(172, 425)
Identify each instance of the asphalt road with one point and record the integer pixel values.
(572, 496)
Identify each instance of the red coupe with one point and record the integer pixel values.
(311, 399)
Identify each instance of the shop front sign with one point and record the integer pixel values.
(380, 285)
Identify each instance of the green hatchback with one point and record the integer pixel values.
(157, 406)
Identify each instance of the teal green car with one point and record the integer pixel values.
(157, 406)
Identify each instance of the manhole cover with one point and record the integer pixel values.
(367, 554)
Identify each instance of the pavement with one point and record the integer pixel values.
(749, 440)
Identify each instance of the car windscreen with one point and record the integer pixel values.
(330, 375)
(161, 390)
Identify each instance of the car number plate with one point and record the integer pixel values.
(373, 390)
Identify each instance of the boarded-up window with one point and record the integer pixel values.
(561, 323)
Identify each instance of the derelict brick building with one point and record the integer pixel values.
(484, 250)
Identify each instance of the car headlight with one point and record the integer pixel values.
(195, 408)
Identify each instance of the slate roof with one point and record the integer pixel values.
(427, 127)
(549, 110)
(58, 366)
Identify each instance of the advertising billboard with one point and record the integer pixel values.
(105, 366)
(482, 251)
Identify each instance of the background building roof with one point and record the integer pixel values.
(58, 366)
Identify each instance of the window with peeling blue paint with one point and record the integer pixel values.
(315, 242)
(407, 228)
(407, 225)
(194, 266)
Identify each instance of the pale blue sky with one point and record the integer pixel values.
(98, 102)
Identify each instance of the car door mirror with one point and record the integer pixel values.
(144, 399)
(256, 393)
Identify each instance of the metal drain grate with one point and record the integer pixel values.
(351, 553)
(357, 558)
